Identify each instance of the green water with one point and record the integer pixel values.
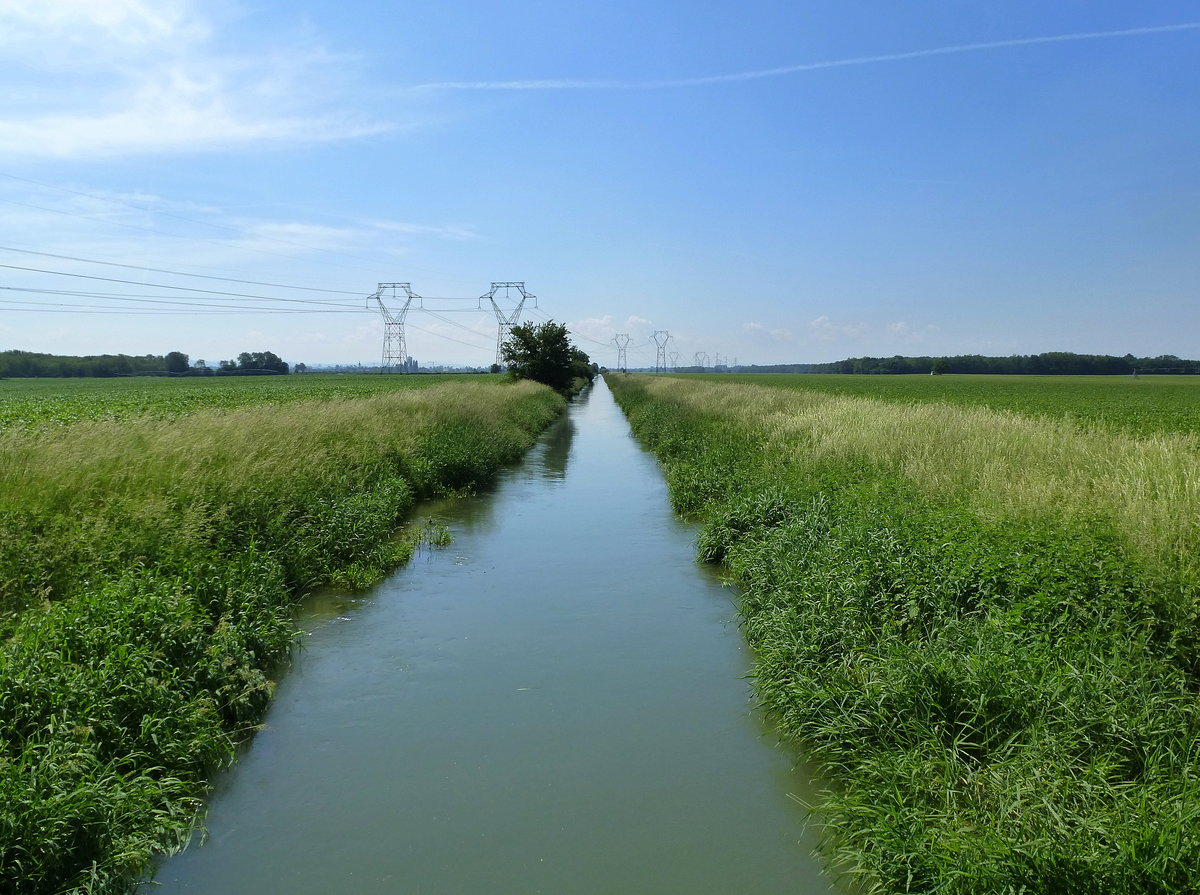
(553, 704)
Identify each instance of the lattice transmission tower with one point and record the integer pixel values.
(395, 351)
(674, 356)
(621, 340)
(661, 337)
(701, 360)
(506, 321)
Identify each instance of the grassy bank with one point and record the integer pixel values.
(984, 626)
(147, 574)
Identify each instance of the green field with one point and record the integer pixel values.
(152, 545)
(1144, 406)
(983, 625)
(42, 403)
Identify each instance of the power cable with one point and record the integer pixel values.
(178, 217)
(178, 273)
(85, 276)
(160, 300)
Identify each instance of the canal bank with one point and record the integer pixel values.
(554, 703)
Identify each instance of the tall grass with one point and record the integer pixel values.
(148, 571)
(983, 625)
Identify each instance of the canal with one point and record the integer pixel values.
(555, 703)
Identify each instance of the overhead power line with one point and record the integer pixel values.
(61, 308)
(85, 276)
(151, 210)
(115, 299)
(177, 273)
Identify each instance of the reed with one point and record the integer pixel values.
(982, 625)
(148, 569)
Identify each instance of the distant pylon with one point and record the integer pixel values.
(621, 340)
(674, 355)
(505, 322)
(394, 350)
(701, 359)
(661, 337)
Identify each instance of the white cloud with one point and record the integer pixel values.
(599, 329)
(825, 330)
(906, 332)
(127, 22)
(779, 333)
(108, 77)
(455, 232)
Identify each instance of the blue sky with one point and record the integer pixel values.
(771, 181)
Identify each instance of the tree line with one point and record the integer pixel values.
(28, 364)
(1055, 363)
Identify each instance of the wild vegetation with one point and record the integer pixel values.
(1148, 405)
(984, 625)
(148, 566)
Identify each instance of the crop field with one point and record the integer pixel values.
(983, 625)
(44, 403)
(150, 556)
(1147, 405)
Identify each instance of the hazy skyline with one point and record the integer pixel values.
(771, 181)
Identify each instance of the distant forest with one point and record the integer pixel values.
(27, 364)
(1058, 363)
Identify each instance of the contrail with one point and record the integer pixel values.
(562, 84)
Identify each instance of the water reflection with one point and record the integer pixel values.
(553, 703)
(557, 449)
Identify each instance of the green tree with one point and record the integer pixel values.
(177, 362)
(260, 361)
(544, 354)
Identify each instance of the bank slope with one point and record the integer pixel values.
(984, 626)
(149, 569)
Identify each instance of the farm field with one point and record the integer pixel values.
(983, 624)
(1144, 406)
(41, 403)
(150, 556)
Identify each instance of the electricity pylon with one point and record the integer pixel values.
(661, 337)
(621, 340)
(674, 355)
(505, 322)
(395, 352)
(701, 360)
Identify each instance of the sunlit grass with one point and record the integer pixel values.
(148, 570)
(997, 463)
(984, 626)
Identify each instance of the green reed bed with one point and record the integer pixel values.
(984, 626)
(148, 571)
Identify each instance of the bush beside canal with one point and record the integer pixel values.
(984, 627)
(148, 571)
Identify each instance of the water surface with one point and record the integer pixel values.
(553, 704)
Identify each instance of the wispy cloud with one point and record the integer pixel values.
(779, 333)
(598, 329)
(107, 77)
(825, 330)
(706, 80)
